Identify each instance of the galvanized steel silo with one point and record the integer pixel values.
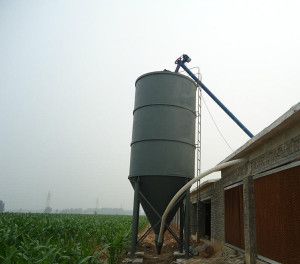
(163, 140)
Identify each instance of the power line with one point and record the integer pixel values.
(218, 129)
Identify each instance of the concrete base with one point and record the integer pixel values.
(139, 254)
(178, 254)
(127, 260)
(137, 260)
(180, 261)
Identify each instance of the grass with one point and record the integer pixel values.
(44, 238)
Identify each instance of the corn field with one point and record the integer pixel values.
(45, 238)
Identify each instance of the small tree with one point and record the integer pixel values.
(2, 205)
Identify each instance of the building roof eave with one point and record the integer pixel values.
(286, 120)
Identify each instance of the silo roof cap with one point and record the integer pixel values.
(165, 72)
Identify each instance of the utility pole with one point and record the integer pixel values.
(48, 208)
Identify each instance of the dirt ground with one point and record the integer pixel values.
(166, 256)
(207, 253)
(218, 258)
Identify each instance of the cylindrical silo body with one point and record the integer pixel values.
(163, 139)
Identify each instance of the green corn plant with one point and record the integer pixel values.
(57, 238)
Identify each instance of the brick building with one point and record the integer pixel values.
(255, 207)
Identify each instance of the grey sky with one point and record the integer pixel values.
(67, 73)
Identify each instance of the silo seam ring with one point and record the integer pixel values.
(178, 106)
(162, 139)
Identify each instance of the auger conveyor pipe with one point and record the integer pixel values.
(181, 64)
(186, 187)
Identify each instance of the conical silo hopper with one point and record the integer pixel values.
(163, 141)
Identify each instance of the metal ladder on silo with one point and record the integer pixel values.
(198, 152)
(198, 147)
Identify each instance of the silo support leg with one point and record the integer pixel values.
(135, 218)
(145, 234)
(181, 225)
(173, 234)
(155, 211)
(187, 224)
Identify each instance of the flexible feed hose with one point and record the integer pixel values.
(186, 187)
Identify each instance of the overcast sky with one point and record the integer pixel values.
(67, 74)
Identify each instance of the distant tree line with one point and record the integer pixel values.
(100, 211)
(106, 211)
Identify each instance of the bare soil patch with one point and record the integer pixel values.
(208, 254)
(166, 256)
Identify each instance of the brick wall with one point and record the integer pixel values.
(279, 150)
